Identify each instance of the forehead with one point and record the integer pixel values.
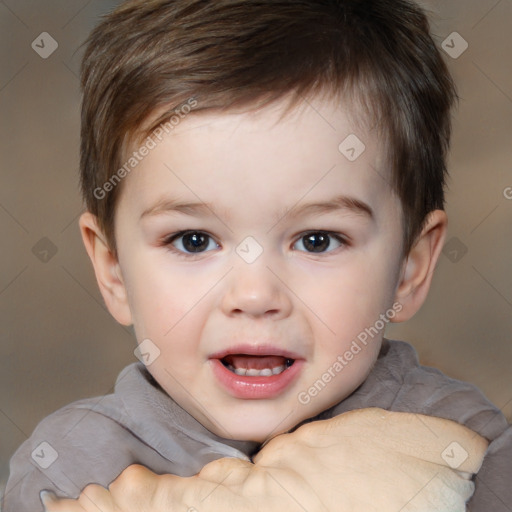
(230, 156)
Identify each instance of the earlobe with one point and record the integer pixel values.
(418, 268)
(107, 269)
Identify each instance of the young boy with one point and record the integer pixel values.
(264, 185)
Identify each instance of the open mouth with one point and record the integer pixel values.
(255, 365)
(256, 372)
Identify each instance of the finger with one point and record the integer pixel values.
(134, 489)
(53, 504)
(94, 498)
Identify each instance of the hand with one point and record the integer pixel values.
(137, 489)
(368, 459)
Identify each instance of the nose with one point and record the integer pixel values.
(256, 291)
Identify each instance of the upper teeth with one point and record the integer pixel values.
(253, 372)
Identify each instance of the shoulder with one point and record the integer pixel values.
(83, 442)
(421, 389)
(429, 391)
(398, 382)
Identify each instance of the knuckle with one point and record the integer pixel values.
(130, 481)
(91, 493)
(133, 473)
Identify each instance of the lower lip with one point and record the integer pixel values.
(255, 388)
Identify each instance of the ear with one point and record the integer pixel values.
(106, 268)
(418, 268)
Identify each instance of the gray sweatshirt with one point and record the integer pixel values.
(93, 440)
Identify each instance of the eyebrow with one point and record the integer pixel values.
(172, 205)
(336, 204)
(197, 209)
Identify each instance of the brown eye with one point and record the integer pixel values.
(192, 242)
(318, 242)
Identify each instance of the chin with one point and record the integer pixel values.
(251, 435)
(250, 430)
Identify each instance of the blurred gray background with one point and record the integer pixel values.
(58, 342)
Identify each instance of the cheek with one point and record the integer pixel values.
(158, 301)
(347, 301)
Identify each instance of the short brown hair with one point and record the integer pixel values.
(146, 56)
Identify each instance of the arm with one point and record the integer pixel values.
(349, 462)
(493, 489)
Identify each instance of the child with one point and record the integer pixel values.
(264, 185)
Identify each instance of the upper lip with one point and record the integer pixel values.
(256, 350)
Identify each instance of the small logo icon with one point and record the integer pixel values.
(454, 455)
(147, 352)
(352, 147)
(455, 250)
(44, 250)
(249, 249)
(454, 45)
(44, 455)
(44, 45)
(507, 193)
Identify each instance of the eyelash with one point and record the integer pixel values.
(168, 242)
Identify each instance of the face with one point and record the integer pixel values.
(256, 253)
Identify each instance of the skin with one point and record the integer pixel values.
(256, 171)
(330, 465)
